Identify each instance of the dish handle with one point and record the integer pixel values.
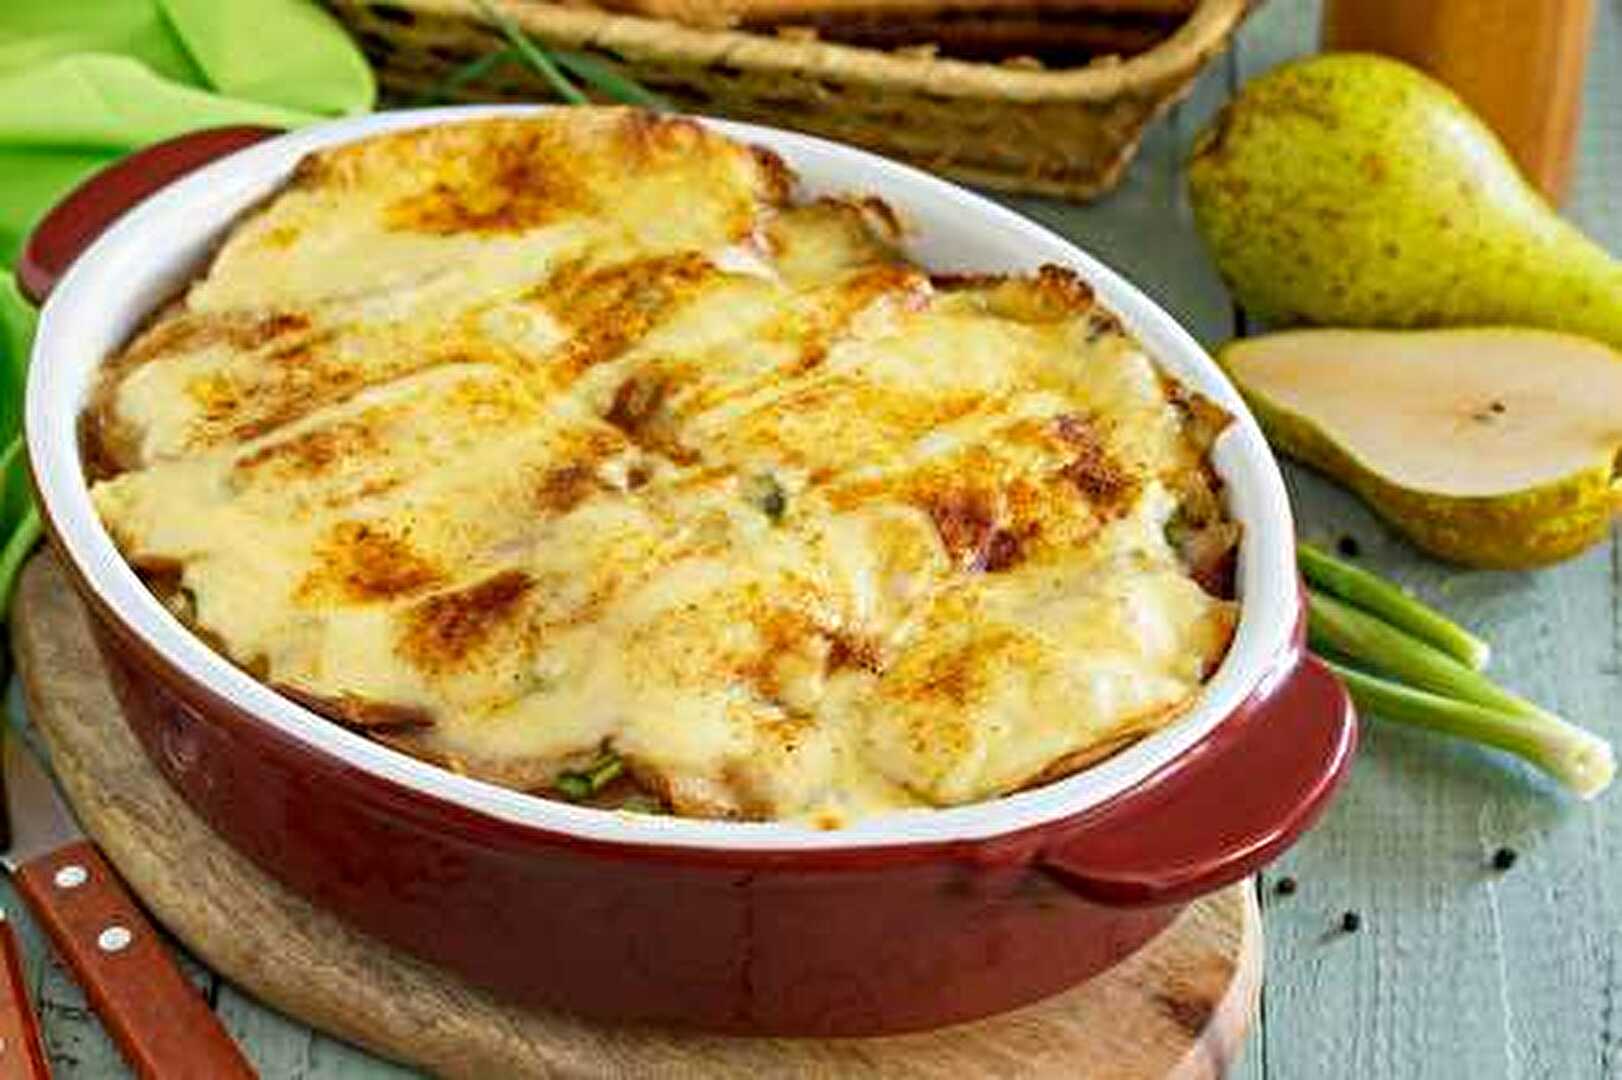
(73, 224)
(1225, 809)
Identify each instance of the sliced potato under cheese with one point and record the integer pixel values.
(513, 442)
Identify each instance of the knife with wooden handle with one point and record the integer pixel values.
(163, 1027)
(22, 1049)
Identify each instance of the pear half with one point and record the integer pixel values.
(1490, 447)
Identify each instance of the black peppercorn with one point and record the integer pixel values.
(1351, 922)
(1503, 858)
(1285, 887)
(1349, 547)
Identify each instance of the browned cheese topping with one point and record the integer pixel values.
(519, 442)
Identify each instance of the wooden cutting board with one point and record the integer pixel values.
(1178, 1008)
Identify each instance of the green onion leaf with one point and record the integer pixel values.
(1379, 597)
(578, 784)
(1337, 628)
(534, 55)
(603, 77)
(1579, 759)
(604, 771)
(572, 786)
(469, 72)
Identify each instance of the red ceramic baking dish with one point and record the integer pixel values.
(901, 922)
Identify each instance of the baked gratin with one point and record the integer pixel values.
(571, 453)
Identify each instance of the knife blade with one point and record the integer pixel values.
(22, 1048)
(159, 1022)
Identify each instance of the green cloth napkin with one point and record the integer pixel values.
(84, 82)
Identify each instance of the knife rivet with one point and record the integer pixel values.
(71, 876)
(114, 938)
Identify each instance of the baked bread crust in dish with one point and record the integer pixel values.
(571, 453)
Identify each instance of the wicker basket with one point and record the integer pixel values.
(1069, 133)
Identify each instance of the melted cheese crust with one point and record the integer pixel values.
(515, 440)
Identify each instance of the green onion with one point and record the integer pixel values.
(475, 69)
(1339, 629)
(1577, 758)
(1379, 597)
(552, 67)
(534, 55)
(1434, 669)
(572, 786)
(578, 784)
(611, 82)
(605, 770)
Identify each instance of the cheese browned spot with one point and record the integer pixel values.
(362, 563)
(1102, 480)
(243, 331)
(565, 487)
(310, 453)
(513, 185)
(513, 443)
(608, 308)
(448, 630)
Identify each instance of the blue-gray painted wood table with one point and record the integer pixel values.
(1458, 971)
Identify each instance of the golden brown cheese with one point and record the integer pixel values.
(514, 442)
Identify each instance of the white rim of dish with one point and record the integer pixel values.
(155, 247)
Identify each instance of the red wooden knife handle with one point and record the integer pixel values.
(22, 1050)
(161, 1024)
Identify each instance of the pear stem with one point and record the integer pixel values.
(1579, 759)
(1379, 597)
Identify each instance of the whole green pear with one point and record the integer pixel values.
(1351, 190)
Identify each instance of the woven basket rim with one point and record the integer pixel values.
(1177, 58)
